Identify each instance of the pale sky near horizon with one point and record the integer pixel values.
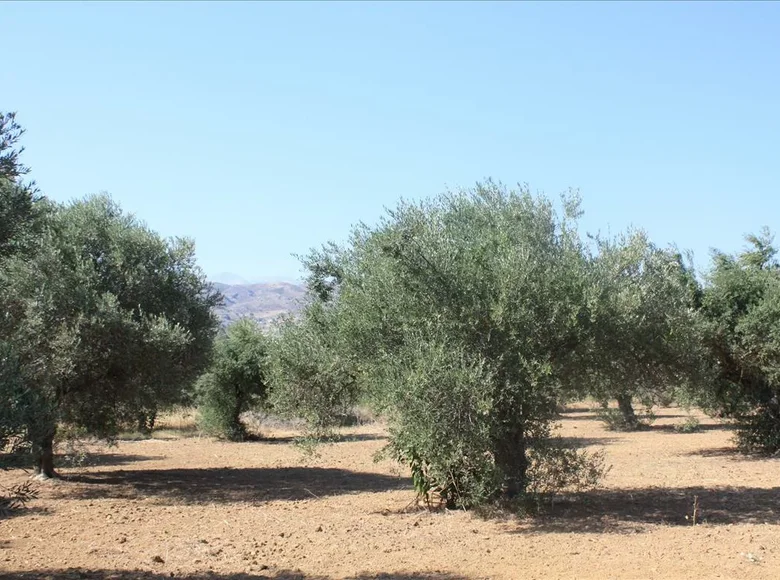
(263, 129)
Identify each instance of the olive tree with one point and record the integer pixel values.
(645, 337)
(107, 319)
(23, 215)
(313, 373)
(741, 304)
(460, 317)
(16, 408)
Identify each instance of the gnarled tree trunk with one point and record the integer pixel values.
(43, 455)
(510, 456)
(627, 409)
(146, 420)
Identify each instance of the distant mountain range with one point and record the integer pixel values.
(229, 279)
(263, 302)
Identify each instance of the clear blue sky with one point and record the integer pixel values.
(264, 129)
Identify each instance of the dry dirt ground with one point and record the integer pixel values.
(196, 508)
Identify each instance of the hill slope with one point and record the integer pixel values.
(263, 302)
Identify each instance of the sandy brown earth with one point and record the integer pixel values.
(198, 508)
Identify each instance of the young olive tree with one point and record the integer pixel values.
(235, 381)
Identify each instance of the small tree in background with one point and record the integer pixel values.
(235, 381)
(645, 335)
(742, 307)
(312, 373)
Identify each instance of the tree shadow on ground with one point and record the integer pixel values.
(23, 511)
(161, 433)
(103, 459)
(338, 438)
(577, 415)
(673, 428)
(226, 485)
(88, 459)
(80, 574)
(732, 453)
(631, 510)
(592, 415)
(182, 431)
(356, 437)
(580, 442)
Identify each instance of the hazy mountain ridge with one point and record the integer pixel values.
(263, 302)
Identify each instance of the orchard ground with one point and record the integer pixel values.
(191, 507)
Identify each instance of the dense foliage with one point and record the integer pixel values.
(460, 317)
(11, 167)
(741, 304)
(22, 219)
(467, 319)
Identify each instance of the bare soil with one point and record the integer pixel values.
(198, 508)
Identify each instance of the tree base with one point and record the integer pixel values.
(45, 477)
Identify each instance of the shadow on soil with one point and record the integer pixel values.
(226, 485)
(78, 574)
(580, 442)
(24, 511)
(577, 415)
(672, 428)
(339, 438)
(105, 460)
(356, 437)
(732, 453)
(629, 510)
(590, 415)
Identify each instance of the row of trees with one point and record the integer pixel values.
(466, 320)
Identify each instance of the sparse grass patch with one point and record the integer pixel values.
(182, 419)
(178, 423)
